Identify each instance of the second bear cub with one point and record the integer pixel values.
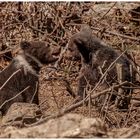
(96, 57)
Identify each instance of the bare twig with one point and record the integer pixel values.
(10, 78)
(36, 89)
(107, 11)
(61, 56)
(111, 33)
(120, 79)
(80, 103)
(44, 33)
(13, 97)
(117, 34)
(111, 65)
(35, 29)
(68, 88)
(5, 51)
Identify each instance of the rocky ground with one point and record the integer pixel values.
(116, 23)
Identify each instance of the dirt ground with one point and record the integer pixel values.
(116, 23)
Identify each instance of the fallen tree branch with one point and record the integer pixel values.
(110, 33)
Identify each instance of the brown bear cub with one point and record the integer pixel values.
(26, 67)
(96, 57)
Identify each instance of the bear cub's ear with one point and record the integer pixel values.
(24, 45)
(86, 29)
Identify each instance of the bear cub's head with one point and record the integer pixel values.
(79, 44)
(38, 50)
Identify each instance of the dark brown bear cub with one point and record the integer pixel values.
(26, 67)
(96, 58)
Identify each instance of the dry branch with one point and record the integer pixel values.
(9, 78)
(61, 56)
(13, 97)
(117, 34)
(68, 88)
(110, 33)
(36, 90)
(5, 51)
(80, 103)
(120, 80)
(102, 77)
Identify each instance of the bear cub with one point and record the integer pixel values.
(96, 57)
(26, 67)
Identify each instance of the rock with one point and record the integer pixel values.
(67, 126)
(126, 132)
(20, 113)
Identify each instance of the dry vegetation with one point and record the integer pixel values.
(117, 24)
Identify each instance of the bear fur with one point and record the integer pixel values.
(96, 56)
(29, 61)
